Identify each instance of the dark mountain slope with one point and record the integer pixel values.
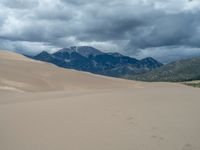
(183, 70)
(84, 51)
(92, 60)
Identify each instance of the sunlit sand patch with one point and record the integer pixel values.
(10, 88)
(13, 84)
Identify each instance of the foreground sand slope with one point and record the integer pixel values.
(19, 72)
(43, 107)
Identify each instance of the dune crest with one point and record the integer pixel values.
(22, 73)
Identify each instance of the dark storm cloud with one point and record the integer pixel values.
(168, 30)
(134, 27)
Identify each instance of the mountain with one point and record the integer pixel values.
(85, 58)
(179, 71)
(84, 51)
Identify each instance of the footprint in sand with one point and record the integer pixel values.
(118, 111)
(187, 147)
(131, 120)
(154, 128)
(157, 137)
(114, 115)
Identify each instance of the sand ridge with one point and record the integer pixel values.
(22, 73)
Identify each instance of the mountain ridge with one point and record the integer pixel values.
(86, 58)
(85, 51)
(178, 71)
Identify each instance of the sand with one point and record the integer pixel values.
(44, 107)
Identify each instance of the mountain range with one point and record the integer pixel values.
(86, 58)
(178, 71)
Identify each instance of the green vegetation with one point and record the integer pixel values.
(193, 84)
(179, 71)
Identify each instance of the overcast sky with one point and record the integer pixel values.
(164, 29)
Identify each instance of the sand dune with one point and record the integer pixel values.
(44, 107)
(25, 74)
